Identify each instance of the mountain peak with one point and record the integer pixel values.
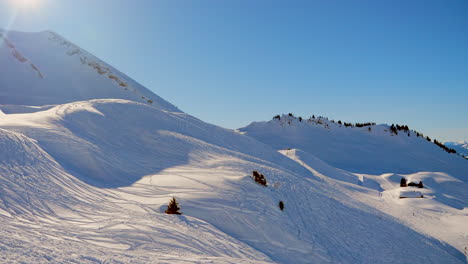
(44, 68)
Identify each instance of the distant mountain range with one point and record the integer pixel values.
(460, 146)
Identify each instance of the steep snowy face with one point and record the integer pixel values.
(460, 146)
(44, 68)
(371, 149)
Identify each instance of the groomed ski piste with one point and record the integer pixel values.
(88, 164)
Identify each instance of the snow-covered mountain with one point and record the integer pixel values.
(460, 146)
(44, 68)
(88, 167)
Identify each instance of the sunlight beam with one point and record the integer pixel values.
(25, 4)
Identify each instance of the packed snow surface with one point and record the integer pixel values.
(86, 172)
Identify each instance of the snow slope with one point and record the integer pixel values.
(134, 156)
(357, 149)
(44, 68)
(87, 179)
(442, 213)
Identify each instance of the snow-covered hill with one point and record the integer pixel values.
(86, 178)
(117, 163)
(371, 149)
(377, 157)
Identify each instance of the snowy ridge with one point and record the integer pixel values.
(36, 66)
(86, 58)
(354, 148)
(17, 55)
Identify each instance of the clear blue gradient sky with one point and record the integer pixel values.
(233, 62)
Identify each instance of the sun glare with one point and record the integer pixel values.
(25, 4)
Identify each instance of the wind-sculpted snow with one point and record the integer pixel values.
(103, 171)
(113, 142)
(48, 216)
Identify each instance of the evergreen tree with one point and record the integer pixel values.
(420, 185)
(403, 183)
(173, 207)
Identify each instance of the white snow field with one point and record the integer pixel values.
(377, 160)
(87, 169)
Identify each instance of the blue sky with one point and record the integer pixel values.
(233, 62)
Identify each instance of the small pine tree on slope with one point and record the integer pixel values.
(403, 182)
(173, 207)
(420, 185)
